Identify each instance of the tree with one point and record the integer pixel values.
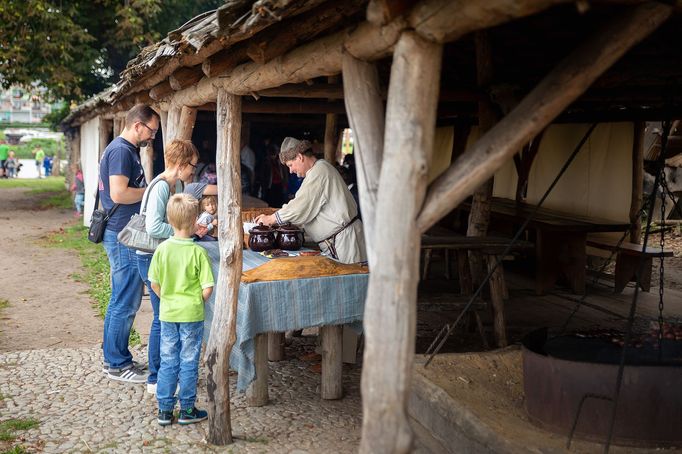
(76, 48)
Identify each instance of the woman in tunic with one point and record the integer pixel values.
(323, 205)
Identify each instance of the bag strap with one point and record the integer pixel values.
(148, 192)
(113, 209)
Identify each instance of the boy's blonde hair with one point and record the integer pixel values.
(206, 199)
(182, 211)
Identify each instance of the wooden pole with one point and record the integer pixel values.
(365, 110)
(104, 130)
(230, 235)
(275, 346)
(637, 181)
(147, 160)
(479, 216)
(331, 338)
(551, 96)
(172, 123)
(188, 116)
(390, 310)
(330, 133)
(163, 114)
(257, 392)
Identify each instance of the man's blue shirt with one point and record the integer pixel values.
(120, 158)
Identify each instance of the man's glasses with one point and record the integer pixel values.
(153, 131)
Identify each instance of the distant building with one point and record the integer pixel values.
(18, 105)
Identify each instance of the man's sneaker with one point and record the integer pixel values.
(138, 366)
(165, 417)
(129, 374)
(151, 388)
(191, 415)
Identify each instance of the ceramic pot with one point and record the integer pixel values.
(289, 237)
(261, 238)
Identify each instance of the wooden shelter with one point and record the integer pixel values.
(510, 67)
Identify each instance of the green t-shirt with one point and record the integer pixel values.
(4, 152)
(182, 269)
(40, 154)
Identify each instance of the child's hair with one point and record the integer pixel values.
(208, 198)
(182, 211)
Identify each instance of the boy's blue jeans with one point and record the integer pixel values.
(180, 350)
(126, 295)
(143, 262)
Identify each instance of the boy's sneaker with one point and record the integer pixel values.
(129, 374)
(192, 415)
(165, 417)
(138, 366)
(151, 388)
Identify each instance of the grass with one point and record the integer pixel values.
(9, 427)
(51, 190)
(24, 150)
(4, 304)
(96, 267)
(16, 450)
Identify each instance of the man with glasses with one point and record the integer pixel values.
(121, 186)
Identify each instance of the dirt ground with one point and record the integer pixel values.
(47, 308)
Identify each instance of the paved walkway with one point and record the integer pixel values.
(80, 410)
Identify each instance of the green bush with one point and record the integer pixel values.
(25, 149)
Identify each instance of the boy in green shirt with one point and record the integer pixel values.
(180, 273)
(40, 155)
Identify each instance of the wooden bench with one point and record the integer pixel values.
(628, 258)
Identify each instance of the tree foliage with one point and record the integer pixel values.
(76, 48)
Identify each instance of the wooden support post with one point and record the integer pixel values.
(104, 133)
(391, 304)
(147, 160)
(332, 365)
(637, 181)
(164, 127)
(172, 124)
(479, 217)
(257, 392)
(365, 110)
(275, 346)
(552, 95)
(230, 235)
(331, 135)
(497, 301)
(188, 116)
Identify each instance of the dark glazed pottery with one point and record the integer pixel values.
(261, 238)
(289, 237)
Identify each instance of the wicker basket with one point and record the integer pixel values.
(249, 214)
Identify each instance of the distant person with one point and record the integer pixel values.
(4, 153)
(180, 273)
(248, 161)
(11, 165)
(39, 156)
(209, 217)
(47, 165)
(78, 189)
(121, 182)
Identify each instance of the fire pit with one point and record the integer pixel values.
(559, 373)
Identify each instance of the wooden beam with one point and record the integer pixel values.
(172, 123)
(365, 110)
(637, 180)
(160, 91)
(295, 107)
(391, 304)
(185, 77)
(331, 134)
(328, 91)
(230, 235)
(381, 12)
(552, 95)
(224, 61)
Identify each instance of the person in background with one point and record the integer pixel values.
(47, 165)
(180, 273)
(39, 156)
(248, 160)
(4, 153)
(11, 165)
(78, 189)
(121, 181)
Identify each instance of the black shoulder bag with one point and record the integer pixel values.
(98, 221)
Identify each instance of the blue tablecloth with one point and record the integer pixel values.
(280, 306)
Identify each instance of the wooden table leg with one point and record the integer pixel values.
(497, 302)
(257, 392)
(332, 366)
(275, 346)
(561, 254)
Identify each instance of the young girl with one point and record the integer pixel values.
(78, 189)
(209, 210)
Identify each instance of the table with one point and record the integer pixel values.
(278, 306)
(560, 243)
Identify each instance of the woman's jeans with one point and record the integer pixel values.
(143, 261)
(180, 350)
(126, 295)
